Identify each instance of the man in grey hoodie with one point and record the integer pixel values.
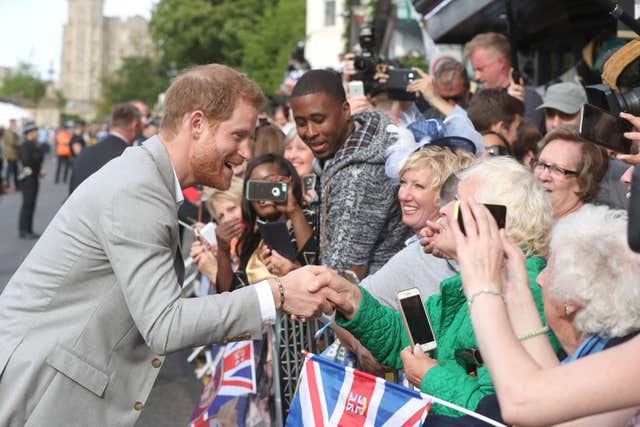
(360, 219)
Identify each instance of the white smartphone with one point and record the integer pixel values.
(355, 88)
(415, 319)
(208, 232)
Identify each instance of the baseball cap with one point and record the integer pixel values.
(566, 97)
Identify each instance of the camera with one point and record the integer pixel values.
(613, 101)
(367, 62)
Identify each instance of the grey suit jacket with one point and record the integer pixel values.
(85, 320)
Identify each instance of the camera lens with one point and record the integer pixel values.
(275, 192)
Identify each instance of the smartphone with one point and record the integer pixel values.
(603, 128)
(309, 182)
(355, 88)
(400, 78)
(276, 235)
(208, 232)
(499, 213)
(415, 319)
(274, 191)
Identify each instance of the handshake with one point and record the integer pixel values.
(312, 290)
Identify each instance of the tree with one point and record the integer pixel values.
(23, 83)
(267, 49)
(139, 77)
(193, 32)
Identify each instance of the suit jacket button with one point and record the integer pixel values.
(156, 363)
(137, 406)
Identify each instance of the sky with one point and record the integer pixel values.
(31, 30)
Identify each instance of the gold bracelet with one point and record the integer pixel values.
(535, 332)
(281, 290)
(473, 296)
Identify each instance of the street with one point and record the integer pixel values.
(176, 391)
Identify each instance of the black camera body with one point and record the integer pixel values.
(368, 62)
(613, 101)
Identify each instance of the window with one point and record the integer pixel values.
(329, 13)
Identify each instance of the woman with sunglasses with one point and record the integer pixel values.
(569, 169)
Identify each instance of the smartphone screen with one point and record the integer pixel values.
(417, 321)
(499, 213)
(605, 129)
(309, 182)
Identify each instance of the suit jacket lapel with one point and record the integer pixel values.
(161, 158)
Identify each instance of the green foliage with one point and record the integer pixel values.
(139, 77)
(410, 61)
(192, 32)
(23, 83)
(267, 49)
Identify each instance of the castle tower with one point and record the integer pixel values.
(82, 62)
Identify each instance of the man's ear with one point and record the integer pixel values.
(498, 127)
(346, 110)
(196, 122)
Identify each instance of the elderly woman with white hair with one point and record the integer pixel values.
(453, 371)
(591, 301)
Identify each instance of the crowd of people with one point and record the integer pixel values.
(373, 193)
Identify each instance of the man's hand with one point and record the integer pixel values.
(304, 295)
(343, 294)
(516, 89)
(416, 364)
(424, 85)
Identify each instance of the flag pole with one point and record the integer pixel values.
(465, 411)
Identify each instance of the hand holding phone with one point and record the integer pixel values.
(499, 213)
(355, 88)
(415, 319)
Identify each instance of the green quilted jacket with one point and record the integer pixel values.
(380, 329)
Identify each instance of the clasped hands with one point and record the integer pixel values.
(312, 290)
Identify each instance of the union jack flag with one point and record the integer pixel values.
(330, 394)
(233, 377)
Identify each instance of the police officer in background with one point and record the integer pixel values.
(31, 156)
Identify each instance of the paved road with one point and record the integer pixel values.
(176, 391)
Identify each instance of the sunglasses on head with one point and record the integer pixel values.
(453, 143)
(455, 98)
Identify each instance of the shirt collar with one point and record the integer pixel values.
(179, 196)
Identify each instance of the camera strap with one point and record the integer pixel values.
(619, 61)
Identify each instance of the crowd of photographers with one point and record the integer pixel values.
(374, 188)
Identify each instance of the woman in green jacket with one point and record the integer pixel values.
(454, 371)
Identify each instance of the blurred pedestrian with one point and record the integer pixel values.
(31, 156)
(11, 152)
(63, 152)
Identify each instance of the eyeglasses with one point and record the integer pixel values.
(553, 169)
(455, 98)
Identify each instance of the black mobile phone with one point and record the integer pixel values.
(276, 235)
(274, 191)
(309, 182)
(499, 213)
(603, 128)
(399, 79)
(415, 319)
